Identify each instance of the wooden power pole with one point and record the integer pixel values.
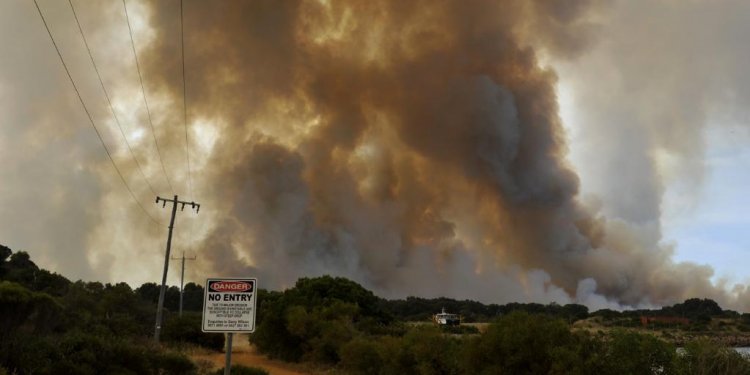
(160, 305)
(182, 277)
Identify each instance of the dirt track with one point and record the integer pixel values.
(245, 354)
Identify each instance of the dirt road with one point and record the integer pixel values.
(245, 354)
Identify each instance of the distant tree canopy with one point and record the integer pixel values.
(421, 309)
(697, 310)
(192, 296)
(694, 308)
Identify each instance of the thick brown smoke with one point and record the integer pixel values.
(414, 146)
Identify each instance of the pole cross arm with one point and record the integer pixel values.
(192, 204)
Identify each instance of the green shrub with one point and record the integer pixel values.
(431, 351)
(520, 343)
(300, 332)
(313, 320)
(460, 329)
(187, 329)
(360, 356)
(636, 353)
(706, 357)
(173, 363)
(77, 352)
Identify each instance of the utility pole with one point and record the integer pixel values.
(182, 277)
(160, 305)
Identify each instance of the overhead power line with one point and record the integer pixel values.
(88, 114)
(109, 101)
(145, 102)
(184, 103)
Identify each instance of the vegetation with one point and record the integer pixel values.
(50, 325)
(313, 320)
(421, 309)
(335, 322)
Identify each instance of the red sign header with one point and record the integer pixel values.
(231, 286)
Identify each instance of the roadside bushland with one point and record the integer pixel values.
(335, 322)
(50, 325)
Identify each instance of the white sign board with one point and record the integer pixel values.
(229, 305)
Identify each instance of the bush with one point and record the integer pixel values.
(705, 357)
(360, 356)
(430, 351)
(173, 363)
(460, 330)
(635, 353)
(187, 329)
(519, 343)
(21, 354)
(81, 353)
(242, 370)
(21, 308)
(295, 332)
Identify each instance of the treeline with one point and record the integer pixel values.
(335, 322)
(421, 309)
(50, 325)
(694, 309)
(18, 267)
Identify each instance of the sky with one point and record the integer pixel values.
(570, 151)
(688, 57)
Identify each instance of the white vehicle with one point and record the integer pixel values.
(446, 319)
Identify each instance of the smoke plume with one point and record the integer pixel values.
(413, 146)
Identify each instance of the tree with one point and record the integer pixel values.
(323, 290)
(696, 309)
(148, 292)
(192, 299)
(21, 308)
(573, 312)
(5, 252)
(124, 313)
(635, 353)
(313, 320)
(19, 268)
(51, 283)
(519, 343)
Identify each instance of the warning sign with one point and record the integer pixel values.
(229, 305)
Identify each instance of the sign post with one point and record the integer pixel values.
(229, 307)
